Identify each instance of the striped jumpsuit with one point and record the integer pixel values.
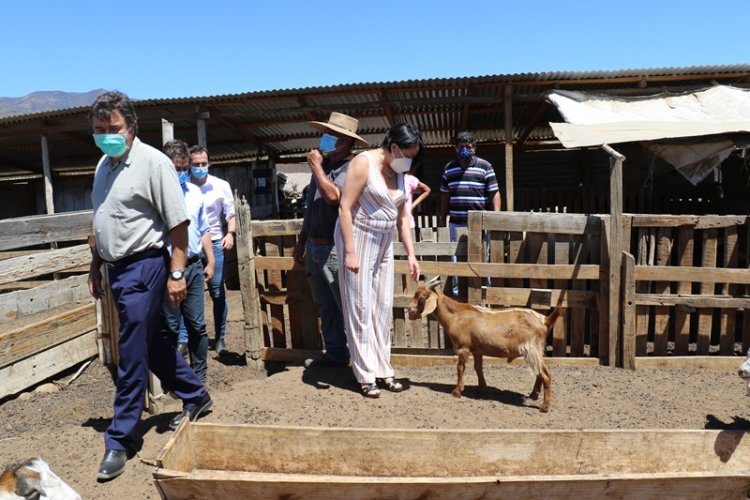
(367, 296)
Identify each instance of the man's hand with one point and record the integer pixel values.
(315, 159)
(228, 242)
(176, 291)
(95, 283)
(299, 252)
(209, 271)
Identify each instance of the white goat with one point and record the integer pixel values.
(34, 479)
(744, 372)
(504, 333)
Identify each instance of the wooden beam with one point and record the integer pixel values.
(41, 229)
(616, 247)
(48, 190)
(27, 372)
(20, 268)
(508, 203)
(27, 341)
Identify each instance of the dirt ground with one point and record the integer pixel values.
(65, 428)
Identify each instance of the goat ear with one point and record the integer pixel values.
(429, 305)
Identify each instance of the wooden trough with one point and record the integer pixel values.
(204, 460)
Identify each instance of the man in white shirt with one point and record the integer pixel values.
(219, 202)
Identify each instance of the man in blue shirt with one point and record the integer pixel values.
(468, 183)
(192, 308)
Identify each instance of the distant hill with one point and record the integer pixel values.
(38, 102)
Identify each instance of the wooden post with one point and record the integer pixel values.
(248, 289)
(508, 112)
(615, 252)
(48, 192)
(202, 116)
(167, 131)
(628, 314)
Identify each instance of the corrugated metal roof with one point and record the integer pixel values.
(276, 122)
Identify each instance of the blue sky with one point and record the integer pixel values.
(164, 48)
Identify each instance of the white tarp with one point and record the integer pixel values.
(594, 120)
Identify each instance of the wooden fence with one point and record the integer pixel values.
(47, 317)
(543, 260)
(684, 284)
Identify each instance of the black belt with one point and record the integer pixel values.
(130, 259)
(194, 259)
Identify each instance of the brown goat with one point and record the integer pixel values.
(504, 333)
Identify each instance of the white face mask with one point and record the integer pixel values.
(400, 165)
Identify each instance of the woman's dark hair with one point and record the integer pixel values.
(405, 135)
(107, 102)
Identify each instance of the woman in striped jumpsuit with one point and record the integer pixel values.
(371, 206)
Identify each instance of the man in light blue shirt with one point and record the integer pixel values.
(192, 308)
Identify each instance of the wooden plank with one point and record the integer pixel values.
(616, 247)
(692, 301)
(708, 262)
(531, 222)
(642, 312)
(707, 275)
(694, 221)
(578, 314)
(19, 268)
(275, 227)
(661, 313)
(178, 453)
(685, 235)
(628, 312)
(246, 265)
(313, 451)
(41, 229)
(719, 363)
(303, 317)
(274, 283)
(429, 248)
(201, 484)
(603, 348)
(728, 316)
(41, 298)
(561, 245)
(475, 254)
(29, 340)
(521, 297)
(32, 370)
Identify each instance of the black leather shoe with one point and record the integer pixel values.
(193, 412)
(324, 362)
(112, 465)
(219, 347)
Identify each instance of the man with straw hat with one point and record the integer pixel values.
(315, 248)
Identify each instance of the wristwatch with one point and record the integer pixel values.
(177, 274)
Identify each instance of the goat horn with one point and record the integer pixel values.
(434, 282)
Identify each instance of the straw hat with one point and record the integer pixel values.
(343, 124)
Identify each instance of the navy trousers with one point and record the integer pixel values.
(138, 289)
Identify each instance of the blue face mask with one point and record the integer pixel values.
(199, 172)
(328, 143)
(465, 153)
(183, 176)
(112, 145)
